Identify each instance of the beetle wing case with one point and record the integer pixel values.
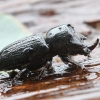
(22, 51)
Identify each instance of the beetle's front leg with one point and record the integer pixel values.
(67, 59)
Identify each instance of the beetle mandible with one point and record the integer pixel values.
(36, 51)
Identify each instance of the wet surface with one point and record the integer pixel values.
(60, 81)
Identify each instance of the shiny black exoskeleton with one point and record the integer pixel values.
(36, 51)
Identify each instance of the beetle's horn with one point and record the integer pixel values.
(94, 45)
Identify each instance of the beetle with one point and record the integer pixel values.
(36, 51)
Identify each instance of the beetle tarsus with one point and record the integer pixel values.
(39, 77)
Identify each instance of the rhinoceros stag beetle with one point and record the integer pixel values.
(36, 51)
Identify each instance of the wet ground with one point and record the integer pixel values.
(61, 82)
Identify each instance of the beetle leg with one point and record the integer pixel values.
(40, 74)
(47, 66)
(15, 79)
(67, 59)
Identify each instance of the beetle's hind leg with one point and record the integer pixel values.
(15, 80)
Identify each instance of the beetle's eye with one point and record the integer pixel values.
(82, 40)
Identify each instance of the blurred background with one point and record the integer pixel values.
(21, 18)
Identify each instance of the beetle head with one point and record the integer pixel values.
(76, 43)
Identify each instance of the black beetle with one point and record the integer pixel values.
(36, 51)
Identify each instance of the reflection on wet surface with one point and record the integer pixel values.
(60, 81)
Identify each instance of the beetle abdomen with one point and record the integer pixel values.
(23, 51)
